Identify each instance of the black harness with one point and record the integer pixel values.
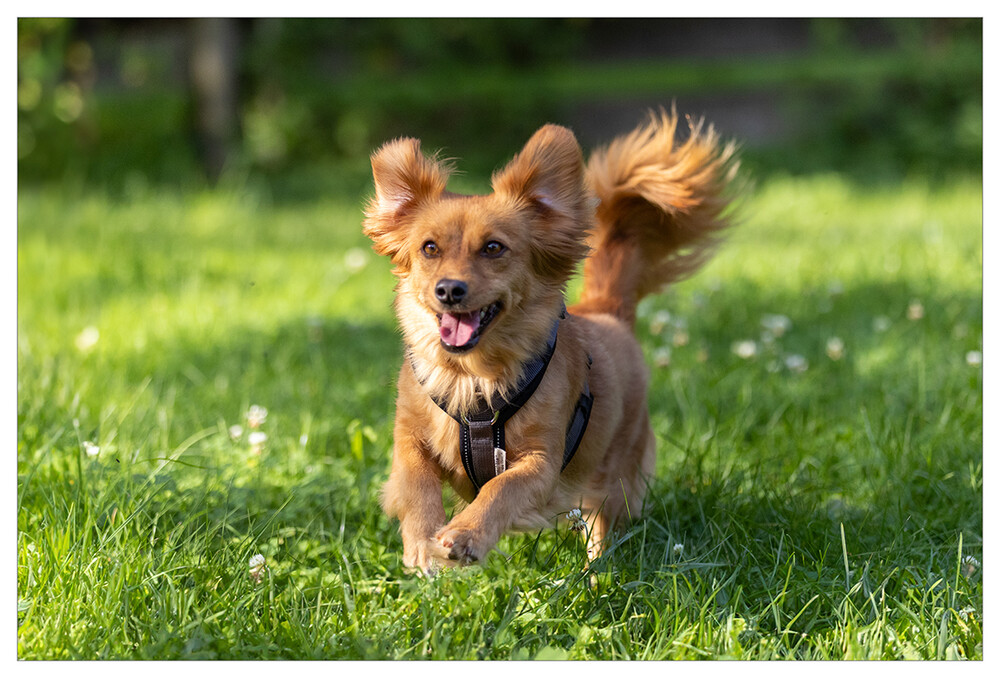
(481, 433)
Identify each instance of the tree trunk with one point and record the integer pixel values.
(214, 48)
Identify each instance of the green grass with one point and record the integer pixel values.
(817, 514)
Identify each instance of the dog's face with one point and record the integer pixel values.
(469, 267)
(480, 274)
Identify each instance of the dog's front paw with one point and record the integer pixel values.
(461, 546)
(420, 556)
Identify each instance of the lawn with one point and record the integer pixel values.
(816, 394)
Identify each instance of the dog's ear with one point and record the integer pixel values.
(404, 179)
(548, 175)
(547, 172)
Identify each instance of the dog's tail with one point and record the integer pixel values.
(663, 205)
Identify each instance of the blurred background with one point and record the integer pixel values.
(291, 103)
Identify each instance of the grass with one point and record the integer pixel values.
(817, 514)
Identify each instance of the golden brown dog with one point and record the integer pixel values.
(481, 283)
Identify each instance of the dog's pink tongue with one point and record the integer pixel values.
(457, 328)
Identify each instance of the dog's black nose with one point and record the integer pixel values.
(450, 291)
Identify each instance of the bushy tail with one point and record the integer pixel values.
(663, 205)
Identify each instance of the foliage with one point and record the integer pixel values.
(50, 103)
(925, 118)
(83, 118)
(824, 507)
(106, 101)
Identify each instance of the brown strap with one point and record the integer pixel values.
(481, 444)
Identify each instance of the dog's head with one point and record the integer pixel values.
(480, 275)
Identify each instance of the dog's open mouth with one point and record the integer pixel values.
(461, 331)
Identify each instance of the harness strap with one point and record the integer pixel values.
(480, 439)
(482, 446)
(578, 424)
(482, 442)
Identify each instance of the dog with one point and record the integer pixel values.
(499, 379)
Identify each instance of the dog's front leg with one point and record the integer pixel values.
(503, 502)
(413, 494)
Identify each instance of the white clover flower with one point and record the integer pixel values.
(796, 363)
(881, 323)
(91, 449)
(681, 338)
(257, 440)
(87, 339)
(256, 416)
(970, 565)
(745, 349)
(355, 259)
(576, 521)
(835, 348)
(974, 358)
(257, 567)
(776, 324)
(915, 311)
(678, 549)
(659, 321)
(235, 432)
(661, 357)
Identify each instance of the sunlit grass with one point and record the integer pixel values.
(824, 506)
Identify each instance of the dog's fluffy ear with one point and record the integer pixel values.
(548, 175)
(404, 179)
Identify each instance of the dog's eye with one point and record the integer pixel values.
(493, 249)
(430, 249)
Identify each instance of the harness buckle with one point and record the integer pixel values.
(465, 420)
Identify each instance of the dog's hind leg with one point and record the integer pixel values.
(624, 500)
(598, 527)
